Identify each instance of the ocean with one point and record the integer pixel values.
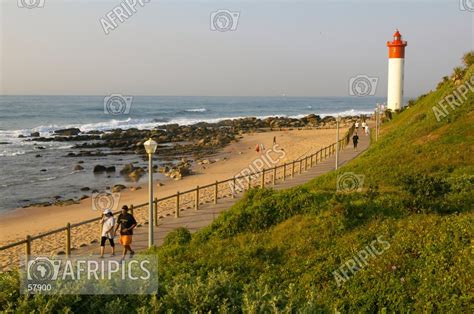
(26, 179)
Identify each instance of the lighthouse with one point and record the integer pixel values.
(396, 65)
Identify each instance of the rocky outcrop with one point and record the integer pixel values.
(68, 132)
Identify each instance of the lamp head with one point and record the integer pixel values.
(150, 146)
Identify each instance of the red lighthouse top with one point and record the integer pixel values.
(396, 47)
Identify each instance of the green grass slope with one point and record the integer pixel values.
(402, 243)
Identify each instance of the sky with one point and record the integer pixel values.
(293, 48)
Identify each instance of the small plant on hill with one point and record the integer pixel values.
(425, 192)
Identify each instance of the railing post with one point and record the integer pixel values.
(196, 199)
(68, 239)
(284, 172)
(233, 187)
(249, 182)
(177, 205)
(263, 179)
(301, 164)
(28, 246)
(274, 175)
(216, 191)
(293, 170)
(306, 163)
(155, 206)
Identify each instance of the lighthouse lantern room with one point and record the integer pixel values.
(396, 64)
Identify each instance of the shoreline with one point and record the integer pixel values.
(89, 149)
(18, 223)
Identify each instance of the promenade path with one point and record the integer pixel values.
(196, 220)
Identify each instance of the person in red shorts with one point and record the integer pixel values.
(126, 222)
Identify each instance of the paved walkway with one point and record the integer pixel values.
(195, 220)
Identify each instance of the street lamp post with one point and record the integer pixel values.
(150, 148)
(338, 118)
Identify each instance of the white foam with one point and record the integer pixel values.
(196, 110)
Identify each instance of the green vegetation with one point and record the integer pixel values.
(279, 251)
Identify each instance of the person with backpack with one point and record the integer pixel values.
(107, 231)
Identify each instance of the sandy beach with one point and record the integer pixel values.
(17, 224)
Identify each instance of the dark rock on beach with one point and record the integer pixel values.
(118, 188)
(68, 132)
(78, 168)
(99, 169)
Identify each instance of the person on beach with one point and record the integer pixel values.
(107, 232)
(355, 140)
(127, 223)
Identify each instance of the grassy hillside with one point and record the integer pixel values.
(295, 249)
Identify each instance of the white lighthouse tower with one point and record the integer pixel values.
(396, 65)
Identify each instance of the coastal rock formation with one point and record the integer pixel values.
(78, 168)
(118, 187)
(68, 132)
(99, 169)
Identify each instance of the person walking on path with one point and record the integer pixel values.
(364, 125)
(274, 140)
(357, 125)
(355, 140)
(126, 222)
(367, 130)
(107, 232)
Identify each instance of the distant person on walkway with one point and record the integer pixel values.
(364, 125)
(257, 148)
(274, 140)
(127, 223)
(367, 130)
(357, 125)
(262, 147)
(107, 232)
(355, 140)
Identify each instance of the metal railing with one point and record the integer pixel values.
(193, 198)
